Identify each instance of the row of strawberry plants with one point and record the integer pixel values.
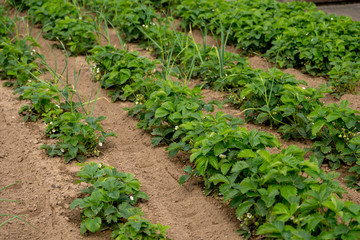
(281, 195)
(112, 197)
(110, 203)
(277, 99)
(79, 134)
(62, 21)
(292, 34)
(271, 98)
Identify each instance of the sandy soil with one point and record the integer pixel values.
(47, 184)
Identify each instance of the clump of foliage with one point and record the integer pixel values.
(18, 61)
(116, 69)
(110, 203)
(127, 15)
(79, 136)
(54, 10)
(76, 34)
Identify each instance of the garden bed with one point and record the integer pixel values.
(185, 209)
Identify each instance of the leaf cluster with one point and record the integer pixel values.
(62, 21)
(127, 15)
(18, 61)
(335, 132)
(110, 203)
(79, 136)
(116, 68)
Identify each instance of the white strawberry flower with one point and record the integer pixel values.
(131, 198)
(222, 156)
(176, 128)
(100, 144)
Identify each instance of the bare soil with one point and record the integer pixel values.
(47, 184)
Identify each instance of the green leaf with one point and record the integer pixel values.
(183, 179)
(188, 169)
(156, 141)
(333, 116)
(341, 229)
(239, 166)
(283, 211)
(75, 203)
(265, 155)
(288, 191)
(247, 184)
(247, 153)
(243, 208)
(219, 149)
(93, 224)
(268, 228)
(317, 127)
(168, 106)
(225, 168)
(217, 178)
(161, 112)
(260, 208)
(214, 162)
(113, 74)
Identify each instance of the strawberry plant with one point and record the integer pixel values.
(262, 95)
(18, 61)
(126, 15)
(76, 34)
(53, 10)
(170, 105)
(137, 228)
(117, 68)
(110, 203)
(353, 180)
(343, 77)
(334, 128)
(6, 23)
(22, 5)
(191, 130)
(79, 136)
(44, 97)
(296, 104)
(112, 195)
(216, 151)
